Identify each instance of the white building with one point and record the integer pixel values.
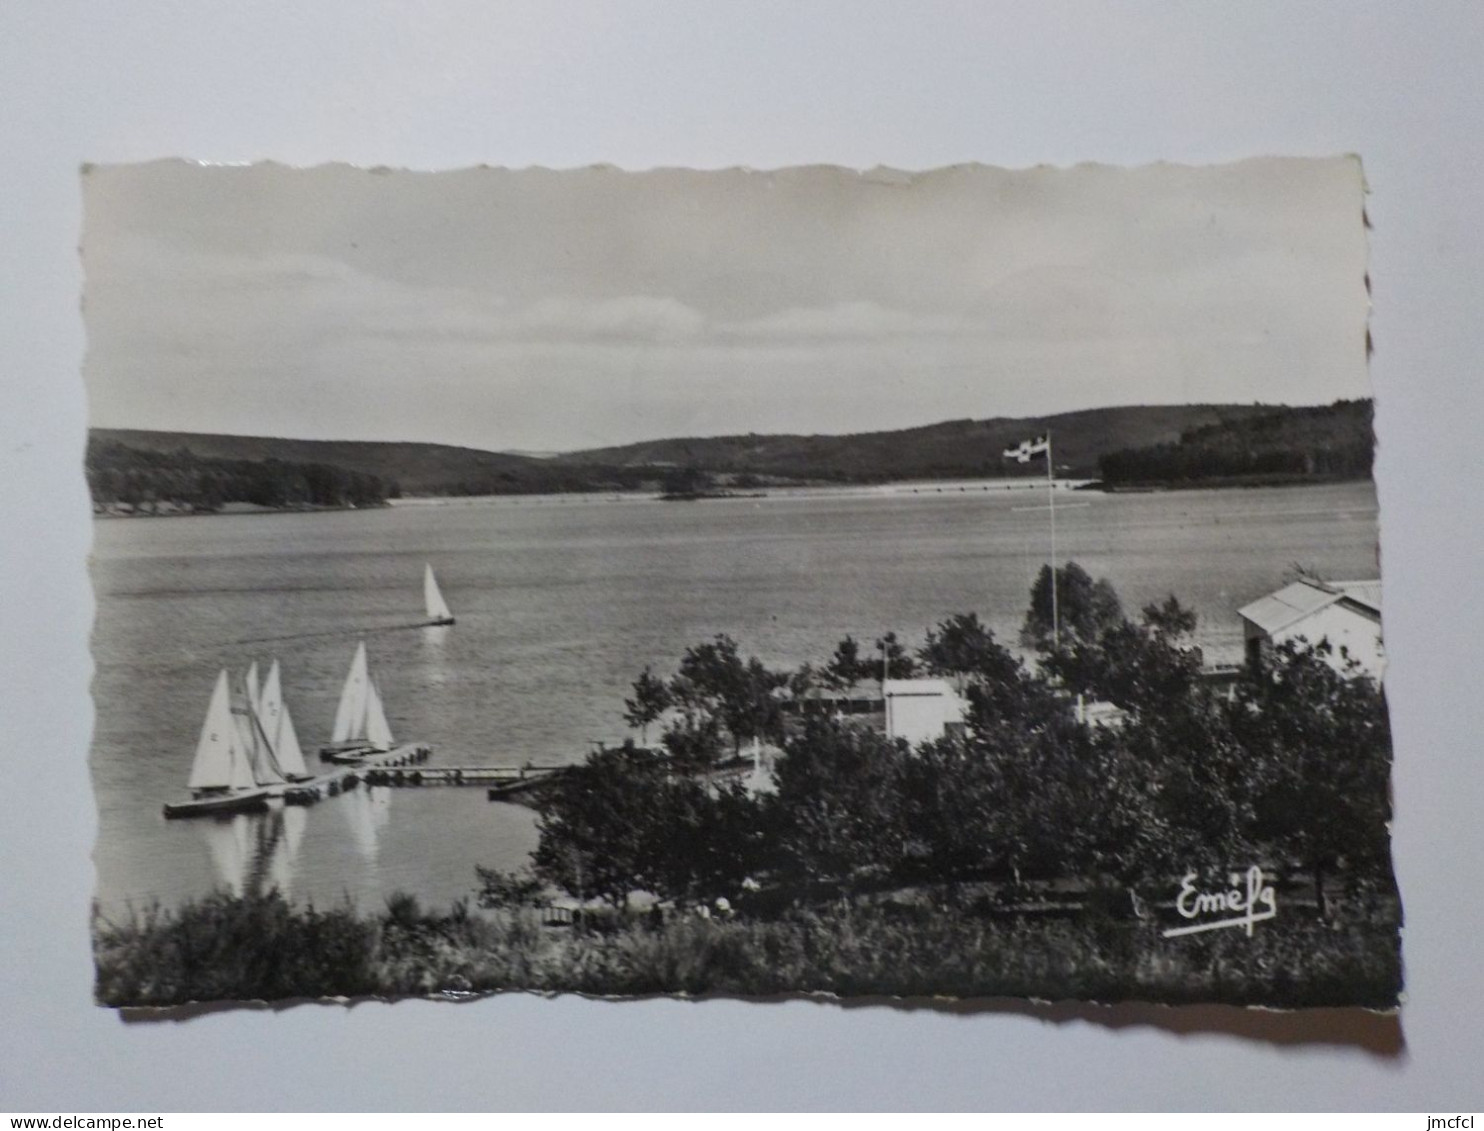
(920, 710)
(1345, 613)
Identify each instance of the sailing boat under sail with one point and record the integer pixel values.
(438, 610)
(231, 765)
(360, 719)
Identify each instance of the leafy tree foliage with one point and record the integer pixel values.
(624, 820)
(1319, 744)
(837, 814)
(714, 683)
(593, 825)
(893, 659)
(1083, 608)
(651, 700)
(845, 666)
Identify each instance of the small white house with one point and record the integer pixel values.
(1346, 613)
(920, 710)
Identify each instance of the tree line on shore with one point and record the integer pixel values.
(1322, 442)
(1288, 768)
(137, 480)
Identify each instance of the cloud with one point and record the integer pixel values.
(843, 321)
(632, 318)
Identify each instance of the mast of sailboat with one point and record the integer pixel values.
(260, 752)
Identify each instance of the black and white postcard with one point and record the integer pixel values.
(950, 584)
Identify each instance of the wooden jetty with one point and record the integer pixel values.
(341, 777)
(404, 766)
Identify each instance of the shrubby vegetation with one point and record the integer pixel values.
(261, 948)
(121, 476)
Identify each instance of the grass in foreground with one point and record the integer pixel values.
(225, 948)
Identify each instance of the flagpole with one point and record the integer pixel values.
(1051, 505)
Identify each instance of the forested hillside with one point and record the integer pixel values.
(1278, 445)
(128, 479)
(955, 448)
(418, 469)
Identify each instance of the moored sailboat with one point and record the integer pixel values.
(360, 719)
(278, 726)
(438, 610)
(223, 776)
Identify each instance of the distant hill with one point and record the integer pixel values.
(936, 451)
(1127, 445)
(1278, 445)
(415, 469)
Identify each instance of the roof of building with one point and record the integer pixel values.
(1294, 602)
(864, 689)
(899, 688)
(1367, 593)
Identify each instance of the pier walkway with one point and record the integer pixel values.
(403, 766)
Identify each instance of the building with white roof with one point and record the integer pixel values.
(1345, 613)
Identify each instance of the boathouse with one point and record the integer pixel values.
(921, 710)
(1345, 613)
(918, 710)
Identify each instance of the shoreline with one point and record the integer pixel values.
(248, 510)
(801, 490)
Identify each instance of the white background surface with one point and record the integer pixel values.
(435, 85)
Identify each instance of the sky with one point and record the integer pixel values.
(539, 310)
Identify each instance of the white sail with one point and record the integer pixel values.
(350, 714)
(279, 725)
(254, 698)
(220, 763)
(253, 739)
(378, 731)
(438, 609)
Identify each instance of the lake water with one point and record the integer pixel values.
(561, 601)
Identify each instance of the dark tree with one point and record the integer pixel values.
(651, 700)
(893, 660)
(1319, 745)
(594, 821)
(845, 666)
(1084, 608)
(714, 681)
(838, 807)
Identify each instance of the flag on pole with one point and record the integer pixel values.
(1027, 449)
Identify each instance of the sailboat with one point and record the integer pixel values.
(360, 719)
(223, 777)
(438, 610)
(278, 725)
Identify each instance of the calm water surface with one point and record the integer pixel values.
(560, 602)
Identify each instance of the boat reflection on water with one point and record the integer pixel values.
(368, 811)
(252, 853)
(280, 834)
(229, 842)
